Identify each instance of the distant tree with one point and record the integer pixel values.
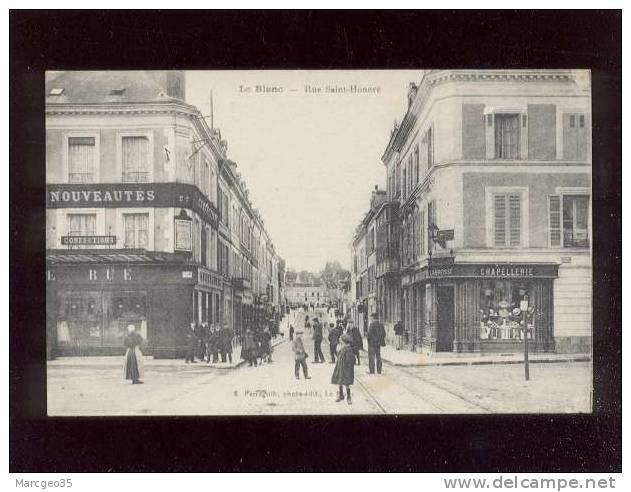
(305, 277)
(334, 275)
(291, 276)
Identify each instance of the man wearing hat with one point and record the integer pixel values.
(318, 356)
(376, 339)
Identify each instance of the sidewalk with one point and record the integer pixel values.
(107, 361)
(407, 358)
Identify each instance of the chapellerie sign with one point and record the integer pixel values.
(488, 270)
(180, 195)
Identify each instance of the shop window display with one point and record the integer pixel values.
(500, 315)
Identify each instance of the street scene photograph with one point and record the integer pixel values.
(318, 242)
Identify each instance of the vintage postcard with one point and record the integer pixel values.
(318, 242)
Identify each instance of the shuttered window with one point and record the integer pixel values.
(81, 160)
(554, 220)
(575, 137)
(136, 230)
(506, 220)
(135, 158)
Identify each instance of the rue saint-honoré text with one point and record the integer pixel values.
(310, 89)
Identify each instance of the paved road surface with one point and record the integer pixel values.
(272, 389)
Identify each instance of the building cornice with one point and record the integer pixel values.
(438, 77)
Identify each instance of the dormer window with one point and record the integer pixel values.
(117, 92)
(56, 91)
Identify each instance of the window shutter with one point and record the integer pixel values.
(490, 136)
(569, 138)
(473, 131)
(542, 131)
(500, 220)
(515, 219)
(554, 220)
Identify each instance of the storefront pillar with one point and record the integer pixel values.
(431, 318)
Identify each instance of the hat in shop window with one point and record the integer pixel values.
(131, 328)
(516, 311)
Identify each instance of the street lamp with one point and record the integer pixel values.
(523, 306)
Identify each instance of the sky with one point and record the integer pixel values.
(310, 159)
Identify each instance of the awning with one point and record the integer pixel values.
(111, 256)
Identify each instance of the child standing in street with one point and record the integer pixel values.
(344, 372)
(300, 356)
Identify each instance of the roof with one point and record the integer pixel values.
(94, 87)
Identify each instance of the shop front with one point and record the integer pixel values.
(94, 298)
(466, 307)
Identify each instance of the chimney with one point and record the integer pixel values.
(412, 90)
(173, 82)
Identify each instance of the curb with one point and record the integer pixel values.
(488, 362)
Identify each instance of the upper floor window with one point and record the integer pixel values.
(416, 164)
(429, 146)
(81, 160)
(81, 224)
(507, 225)
(136, 230)
(569, 221)
(135, 159)
(507, 136)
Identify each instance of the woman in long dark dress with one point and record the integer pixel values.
(134, 367)
(344, 372)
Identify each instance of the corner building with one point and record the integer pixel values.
(489, 204)
(136, 216)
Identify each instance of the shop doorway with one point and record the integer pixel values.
(445, 302)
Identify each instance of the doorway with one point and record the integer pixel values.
(445, 325)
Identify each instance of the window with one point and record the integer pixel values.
(136, 230)
(429, 140)
(81, 160)
(416, 165)
(569, 221)
(431, 223)
(507, 136)
(506, 219)
(405, 182)
(500, 317)
(204, 246)
(81, 224)
(135, 159)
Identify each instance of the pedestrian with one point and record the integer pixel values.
(191, 344)
(357, 340)
(344, 372)
(300, 356)
(334, 338)
(248, 350)
(199, 336)
(214, 344)
(317, 342)
(291, 333)
(226, 339)
(134, 367)
(398, 332)
(266, 346)
(376, 339)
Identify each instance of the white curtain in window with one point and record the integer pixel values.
(135, 159)
(81, 224)
(81, 162)
(136, 230)
(507, 136)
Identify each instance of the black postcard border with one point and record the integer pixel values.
(41, 40)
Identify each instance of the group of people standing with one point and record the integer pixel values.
(206, 342)
(257, 347)
(345, 344)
